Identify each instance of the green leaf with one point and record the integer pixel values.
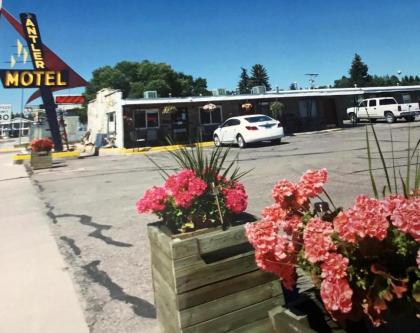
(372, 178)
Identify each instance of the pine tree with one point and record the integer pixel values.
(244, 84)
(359, 72)
(259, 76)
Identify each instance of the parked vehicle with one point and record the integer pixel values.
(248, 129)
(383, 108)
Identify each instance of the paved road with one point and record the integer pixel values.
(90, 203)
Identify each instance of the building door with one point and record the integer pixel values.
(330, 112)
(180, 131)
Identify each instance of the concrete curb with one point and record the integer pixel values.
(144, 150)
(63, 154)
(319, 132)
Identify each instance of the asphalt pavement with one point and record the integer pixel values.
(90, 206)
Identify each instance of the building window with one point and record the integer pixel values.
(211, 117)
(146, 118)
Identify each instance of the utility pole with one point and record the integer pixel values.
(312, 77)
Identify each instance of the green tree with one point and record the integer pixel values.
(259, 76)
(134, 78)
(244, 84)
(359, 72)
(344, 82)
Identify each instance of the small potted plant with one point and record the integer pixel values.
(41, 153)
(204, 275)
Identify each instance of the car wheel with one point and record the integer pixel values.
(390, 118)
(410, 118)
(353, 118)
(241, 142)
(217, 142)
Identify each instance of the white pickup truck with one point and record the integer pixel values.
(383, 107)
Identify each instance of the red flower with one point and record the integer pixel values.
(312, 182)
(38, 145)
(317, 240)
(185, 186)
(337, 295)
(153, 201)
(236, 199)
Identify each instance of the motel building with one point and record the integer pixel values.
(11, 128)
(130, 123)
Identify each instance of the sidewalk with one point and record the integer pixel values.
(37, 293)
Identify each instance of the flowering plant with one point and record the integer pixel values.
(198, 196)
(364, 260)
(42, 145)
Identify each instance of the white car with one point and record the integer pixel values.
(247, 129)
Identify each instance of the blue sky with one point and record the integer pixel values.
(213, 39)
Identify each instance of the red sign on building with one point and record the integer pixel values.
(69, 99)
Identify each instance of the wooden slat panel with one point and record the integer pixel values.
(159, 239)
(165, 301)
(223, 288)
(260, 326)
(223, 305)
(232, 236)
(194, 277)
(235, 319)
(163, 266)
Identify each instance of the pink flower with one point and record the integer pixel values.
(288, 195)
(418, 258)
(262, 235)
(343, 228)
(284, 248)
(334, 267)
(367, 218)
(236, 199)
(185, 186)
(291, 224)
(317, 240)
(274, 212)
(312, 182)
(284, 269)
(406, 217)
(337, 295)
(152, 201)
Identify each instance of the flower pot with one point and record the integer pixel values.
(41, 160)
(207, 281)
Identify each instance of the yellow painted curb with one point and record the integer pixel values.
(10, 150)
(63, 154)
(143, 150)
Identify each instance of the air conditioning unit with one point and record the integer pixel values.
(258, 90)
(219, 92)
(150, 94)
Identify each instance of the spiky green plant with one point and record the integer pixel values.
(405, 181)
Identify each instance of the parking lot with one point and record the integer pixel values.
(91, 205)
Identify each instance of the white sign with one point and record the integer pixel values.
(5, 112)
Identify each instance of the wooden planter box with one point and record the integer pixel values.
(207, 281)
(41, 160)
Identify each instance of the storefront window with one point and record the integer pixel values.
(211, 117)
(146, 118)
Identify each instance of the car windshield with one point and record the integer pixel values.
(257, 119)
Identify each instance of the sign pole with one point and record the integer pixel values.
(33, 38)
